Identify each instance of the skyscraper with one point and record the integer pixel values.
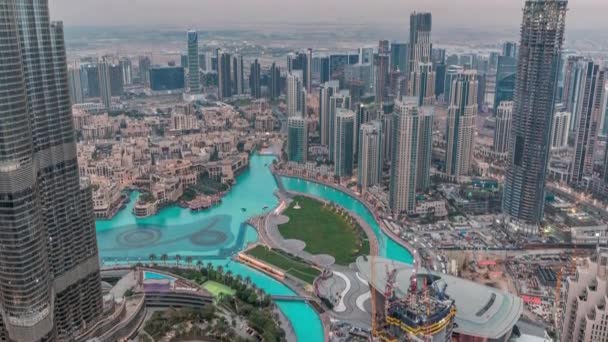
(296, 95)
(144, 70)
(224, 76)
(327, 90)
(451, 74)
(505, 80)
(194, 76)
(426, 115)
(339, 100)
(504, 121)
(50, 284)
(402, 192)
(116, 80)
(462, 113)
(105, 88)
(587, 121)
(509, 49)
(381, 72)
(324, 70)
(420, 40)
(92, 75)
(275, 82)
(127, 71)
(238, 88)
(297, 139)
(255, 85)
(308, 70)
(560, 131)
(370, 155)
(387, 136)
(344, 142)
(399, 53)
(74, 81)
(542, 35)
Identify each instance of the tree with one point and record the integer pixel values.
(178, 258)
(164, 257)
(189, 260)
(199, 264)
(152, 257)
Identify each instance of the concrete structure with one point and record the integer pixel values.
(422, 84)
(50, 282)
(462, 113)
(402, 194)
(585, 317)
(542, 36)
(339, 100)
(560, 131)
(344, 152)
(420, 40)
(194, 77)
(238, 86)
(451, 73)
(381, 68)
(255, 86)
(482, 313)
(224, 75)
(105, 90)
(573, 75)
(426, 116)
(328, 89)
(297, 139)
(588, 119)
(127, 71)
(502, 133)
(75, 83)
(370, 155)
(296, 95)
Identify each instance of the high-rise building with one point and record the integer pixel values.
(370, 155)
(255, 77)
(381, 66)
(422, 84)
(238, 88)
(420, 40)
(560, 131)
(297, 139)
(74, 81)
(402, 192)
(440, 71)
(116, 80)
(339, 100)
(426, 115)
(588, 120)
(308, 70)
(105, 87)
(144, 70)
(324, 75)
(327, 90)
(224, 76)
(585, 316)
(502, 133)
(542, 36)
(194, 76)
(383, 47)
(92, 75)
(387, 136)
(505, 80)
(50, 283)
(399, 53)
(183, 61)
(573, 76)
(275, 82)
(509, 49)
(167, 79)
(462, 113)
(452, 73)
(127, 71)
(344, 142)
(296, 94)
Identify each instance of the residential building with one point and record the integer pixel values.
(344, 142)
(370, 155)
(255, 86)
(327, 90)
(502, 133)
(194, 76)
(296, 95)
(560, 131)
(74, 81)
(105, 89)
(426, 115)
(224, 76)
(297, 139)
(238, 87)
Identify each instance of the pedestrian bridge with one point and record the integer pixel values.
(292, 298)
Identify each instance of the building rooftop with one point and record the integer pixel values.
(481, 311)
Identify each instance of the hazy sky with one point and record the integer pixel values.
(583, 14)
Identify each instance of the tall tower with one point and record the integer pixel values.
(194, 77)
(50, 284)
(588, 118)
(75, 82)
(344, 142)
(504, 121)
(254, 80)
(462, 113)
(308, 70)
(105, 87)
(420, 40)
(422, 84)
(144, 70)
(297, 139)
(370, 155)
(340, 99)
(542, 36)
(275, 82)
(296, 95)
(328, 89)
(402, 192)
(237, 75)
(381, 70)
(224, 75)
(127, 71)
(426, 116)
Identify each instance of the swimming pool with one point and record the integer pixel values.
(153, 275)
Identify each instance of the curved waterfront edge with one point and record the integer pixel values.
(382, 228)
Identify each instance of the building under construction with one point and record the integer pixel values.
(425, 313)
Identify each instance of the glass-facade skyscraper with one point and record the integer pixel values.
(50, 282)
(194, 77)
(542, 36)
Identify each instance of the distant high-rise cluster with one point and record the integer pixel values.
(194, 81)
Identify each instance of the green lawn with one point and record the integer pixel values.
(324, 231)
(289, 264)
(217, 289)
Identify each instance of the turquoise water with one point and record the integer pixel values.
(213, 235)
(153, 275)
(387, 247)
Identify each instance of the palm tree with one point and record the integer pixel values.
(164, 257)
(247, 280)
(152, 257)
(178, 258)
(189, 260)
(199, 264)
